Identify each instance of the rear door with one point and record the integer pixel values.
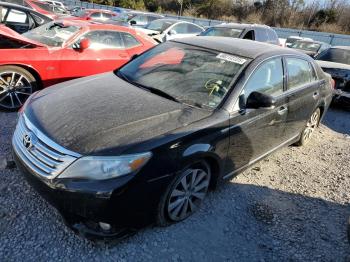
(303, 93)
(106, 53)
(255, 132)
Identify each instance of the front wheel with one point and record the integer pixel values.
(185, 194)
(311, 125)
(16, 85)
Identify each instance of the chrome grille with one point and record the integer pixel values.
(39, 153)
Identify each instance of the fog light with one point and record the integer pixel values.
(104, 226)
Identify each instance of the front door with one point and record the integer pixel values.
(106, 53)
(256, 132)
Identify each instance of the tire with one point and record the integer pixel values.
(16, 85)
(177, 203)
(310, 127)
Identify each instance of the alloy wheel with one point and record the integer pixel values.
(188, 193)
(311, 125)
(15, 88)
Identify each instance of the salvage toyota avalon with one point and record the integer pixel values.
(120, 150)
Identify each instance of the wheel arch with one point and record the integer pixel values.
(31, 70)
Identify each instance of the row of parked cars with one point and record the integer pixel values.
(145, 140)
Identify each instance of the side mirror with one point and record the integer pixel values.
(133, 22)
(172, 32)
(84, 44)
(259, 100)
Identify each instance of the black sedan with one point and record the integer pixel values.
(21, 19)
(145, 143)
(336, 62)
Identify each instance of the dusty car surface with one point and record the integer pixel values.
(146, 142)
(311, 48)
(61, 51)
(336, 62)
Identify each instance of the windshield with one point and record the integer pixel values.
(52, 34)
(307, 46)
(188, 74)
(335, 55)
(222, 31)
(160, 25)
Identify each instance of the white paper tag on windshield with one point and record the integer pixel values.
(231, 58)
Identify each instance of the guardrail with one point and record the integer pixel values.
(333, 39)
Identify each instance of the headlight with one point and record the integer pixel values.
(105, 167)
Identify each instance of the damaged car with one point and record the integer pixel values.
(120, 150)
(60, 51)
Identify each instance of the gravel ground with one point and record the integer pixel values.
(292, 206)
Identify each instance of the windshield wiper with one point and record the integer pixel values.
(148, 88)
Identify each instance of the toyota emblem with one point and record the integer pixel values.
(27, 141)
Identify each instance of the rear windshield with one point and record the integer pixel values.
(335, 55)
(307, 46)
(222, 31)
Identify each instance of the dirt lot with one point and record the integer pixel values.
(292, 206)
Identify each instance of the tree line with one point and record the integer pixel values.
(330, 15)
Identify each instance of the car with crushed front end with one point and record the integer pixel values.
(117, 151)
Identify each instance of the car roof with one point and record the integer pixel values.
(311, 41)
(242, 26)
(241, 47)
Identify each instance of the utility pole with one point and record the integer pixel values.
(181, 4)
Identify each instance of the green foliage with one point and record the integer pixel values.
(324, 16)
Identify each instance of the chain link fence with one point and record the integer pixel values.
(333, 39)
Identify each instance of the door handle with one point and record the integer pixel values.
(282, 110)
(316, 95)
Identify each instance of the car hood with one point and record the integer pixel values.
(332, 65)
(104, 115)
(9, 33)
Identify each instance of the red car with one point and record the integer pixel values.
(94, 14)
(41, 7)
(60, 51)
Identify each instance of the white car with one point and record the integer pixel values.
(55, 3)
(162, 30)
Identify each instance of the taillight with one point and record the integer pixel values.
(333, 83)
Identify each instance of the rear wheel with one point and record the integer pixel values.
(311, 125)
(16, 85)
(185, 194)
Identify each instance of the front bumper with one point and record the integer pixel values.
(126, 207)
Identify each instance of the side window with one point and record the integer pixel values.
(249, 35)
(95, 15)
(104, 39)
(267, 79)
(140, 19)
(152, 18)
(16, 16)
(38, 19)
(107, 16)
(180, 28)
(192, 29)
(261, 35)
(129, 40)
(299, 72)
(272, 36)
